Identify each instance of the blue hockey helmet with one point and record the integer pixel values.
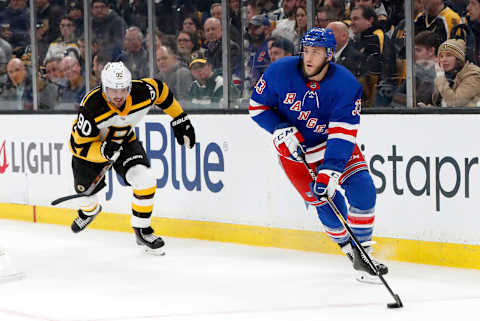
(319, 37)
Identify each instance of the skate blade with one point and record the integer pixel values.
(154, 252)
(364, 277)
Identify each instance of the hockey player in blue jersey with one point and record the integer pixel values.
(312, 107)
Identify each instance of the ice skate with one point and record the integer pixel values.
(360, 264)
(149, 242)
(82, 220)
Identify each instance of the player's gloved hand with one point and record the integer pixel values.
(325, 183)
(183, 130)
(287, 140)
(109, 149)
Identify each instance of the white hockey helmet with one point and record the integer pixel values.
(116, 76)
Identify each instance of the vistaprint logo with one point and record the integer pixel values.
(423, 175)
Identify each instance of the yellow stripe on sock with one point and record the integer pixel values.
(143, 192)
(142, 209)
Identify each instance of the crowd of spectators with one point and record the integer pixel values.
(188, 56)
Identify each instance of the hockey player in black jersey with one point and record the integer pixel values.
(104, 132)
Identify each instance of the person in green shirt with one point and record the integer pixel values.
(207, 89)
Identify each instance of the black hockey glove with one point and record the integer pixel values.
(183, 130)
(109, 148)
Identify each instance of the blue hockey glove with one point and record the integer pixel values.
(287, 140)
(325, 183)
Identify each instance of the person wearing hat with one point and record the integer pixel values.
(74, 10)
(281, 48)
(259, 60)
(109, 27)
(207, 89)
(457, 81)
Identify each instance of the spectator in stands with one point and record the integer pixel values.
(177, 77)
(14, 22)
(75, 88)
(281, 48)
(436, 17)
(135, 13)
(80, 53)
(157, 39)
(270, 41)
(324, 16)
(135, 55)
(258, 48)
(54, 72)
(4, 58)
(457, 82)
(49, 94)
(191, 24)
(285, 27)
(253, 9)
(216, 10)
(48, 20)
(382, 16)
(285, 12)
(365, 41)
(345, 53)
(268, 7)
(187, 46)
(18, 92)
(207, 88)
(473, 20)
(300, 24)
(65, 41)
(377, 49)
(235, 19)
(426, 45)
(213, 45)
(74, 9)
(98, 62)
(338, 8)
(109, 28)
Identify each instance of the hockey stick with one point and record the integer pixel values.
(92, 186)
(398, 303)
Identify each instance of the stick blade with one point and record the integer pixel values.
(397, 304)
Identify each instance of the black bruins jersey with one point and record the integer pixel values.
(441, 24)
(99, 121)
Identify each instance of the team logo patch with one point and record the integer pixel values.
(313, 85)
(81, 188)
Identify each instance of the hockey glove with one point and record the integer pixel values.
(325, 183)
(183, 130)
(109, 150)
(287, 140)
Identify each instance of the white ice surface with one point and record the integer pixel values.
(102, 276)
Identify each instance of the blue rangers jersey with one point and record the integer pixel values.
(326, 113)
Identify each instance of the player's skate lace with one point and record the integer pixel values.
(360, 262)
(145, 236)
(82, 220)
